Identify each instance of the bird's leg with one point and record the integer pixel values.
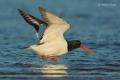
(44, 57)
(54, 58)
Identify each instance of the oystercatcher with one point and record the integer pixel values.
(52, 43)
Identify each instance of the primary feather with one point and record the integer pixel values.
(56, 25)
(35, 22)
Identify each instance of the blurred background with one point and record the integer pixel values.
(94, 22)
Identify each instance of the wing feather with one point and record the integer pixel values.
(56, 25)
(51, 18)
(35, 22)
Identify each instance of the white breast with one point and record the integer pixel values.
(54, 47)
(53, 39)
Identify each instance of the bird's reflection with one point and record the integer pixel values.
(53, 70)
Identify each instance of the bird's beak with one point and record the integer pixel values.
(85, 48)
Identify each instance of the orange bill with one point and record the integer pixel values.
(85, 48)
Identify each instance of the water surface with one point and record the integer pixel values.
(95, 24)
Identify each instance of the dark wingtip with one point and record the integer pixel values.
(42, 9)
(19, 10)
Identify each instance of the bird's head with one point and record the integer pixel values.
(73, 44)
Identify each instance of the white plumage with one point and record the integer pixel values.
(53, 42)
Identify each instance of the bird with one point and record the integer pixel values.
(52, 44)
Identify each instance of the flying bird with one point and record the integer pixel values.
(52, 44)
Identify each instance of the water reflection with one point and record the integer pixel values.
(52, 70)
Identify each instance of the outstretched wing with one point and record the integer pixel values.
(56, 25)
(35, 22)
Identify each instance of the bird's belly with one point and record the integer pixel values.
(52, 48)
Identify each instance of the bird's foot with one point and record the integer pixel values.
(52, 57)
(44, 57)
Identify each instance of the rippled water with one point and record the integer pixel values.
(94, 22)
